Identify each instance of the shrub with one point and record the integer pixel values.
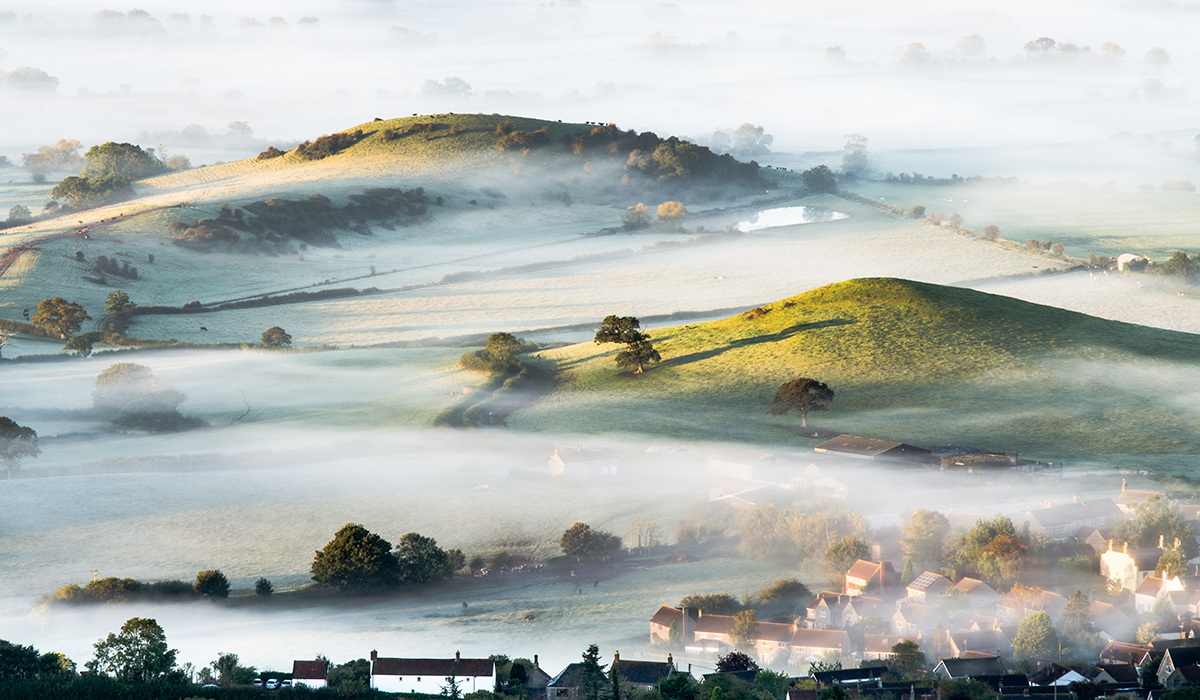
(270, 153)
(936, 217)
(504, 127)
(457, 128)
(671, 211)
(917, 211)
(524, 140)
(1032, 244)
(636, 217)
(991, 232)
(263, 587)
(178, 162)
(328, 145)
(955, 220)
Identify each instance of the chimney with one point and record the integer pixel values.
(617, 657)
(457, 656)
(535, 661)
(374, 655)
(670, 660)
(1074, 499)
(1122, 486)
(1111, 548)
(1176, 543)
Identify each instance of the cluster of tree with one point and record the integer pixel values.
(1050, 246)
(16, 443)
(111, 266)
(357, 559)
(626, 330)
(96, 191)
(123, 159)
(916, 178)
(1159, 519)
(581, 542)
(796, 534)
(1179, 265)
(781, 601)
(61, 157)
(274, 223)
(500, 357)
(238, 136)
(328, 145)
(270, 153)
(635, 217)
(746, 141)
(210, 583)
(514, 139)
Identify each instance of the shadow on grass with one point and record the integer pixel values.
(747, 342)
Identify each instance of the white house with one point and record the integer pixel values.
(1129, 566)
(429, 676)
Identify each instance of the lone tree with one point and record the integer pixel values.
(592, 672)
(802, 394)
(627, 330)
(420, 560)
(819, 180)
(636, 217)
(355, 558)
(131, 395)
(16, 443)
(672, 211)
(118, 303)
(136, 655)
(502, 350)
(60, 316)
(276, 337)
(1035, 637)
(581, 541)
(81, 345)
(735, 661)
(263, 587)
(211, 584)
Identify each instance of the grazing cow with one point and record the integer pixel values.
(203, 328)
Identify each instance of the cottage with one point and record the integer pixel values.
(868, 575)
(1129, 566)
(861, 606)
(1182, 676)
(927, 588)
(1176, 658)
(984, 642)
(738, 463)
(536, 681)
(917, 618)
(979, 595)
(826, 610)
(1060, 523)
(808, 645)
(1152, 588)
(583, 464)
(875, 450)
(1094, 537)
(878, 647)
(635, 675)
(309, 673)
(393, 675)
(981, 665)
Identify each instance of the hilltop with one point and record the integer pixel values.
(910, 361)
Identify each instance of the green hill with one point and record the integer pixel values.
(909, 361)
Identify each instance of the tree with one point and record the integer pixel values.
(917, 211)
(678, 687)
(139, 653)
(745, 630)
(420, 560)
(638, 351)
(735, 661)
(991, 232)
(592, 673)
(1035, 636)
(263, 587)
(819, 180)
(614, 680)
(355, 559)
(118, 303)
(502, 351)
(226, 664)
(842, 554)
(1172, 563)
(124, 159)
(86, 192)
(908, 574)
(1157, 519)
(452, 689)
(802, 394)
(19, 214)
(16, 443)
(637, 216)
(672, 211)
(1076, 624)
(81, 345)
(59, 316)
(575, 540)
(1180, 265)
(907, 658)
(750, 140)
(130, 394)
(855, 160)
(712, 603)
(21, 663)
(924, 539)
(276, 337)
(211, 584)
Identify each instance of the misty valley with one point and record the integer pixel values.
(429, 390)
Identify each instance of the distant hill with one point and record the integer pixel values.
(909, 361)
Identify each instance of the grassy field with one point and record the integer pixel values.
(910, 361)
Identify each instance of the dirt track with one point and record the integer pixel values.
(13, 254)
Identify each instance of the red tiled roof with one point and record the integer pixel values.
(432, 667)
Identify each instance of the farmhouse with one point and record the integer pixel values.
(428, 676)
(874, 450)
(583, 464)
(309, 673)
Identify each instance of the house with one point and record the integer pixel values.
(868, 575)
(1129, 566)
(660, 624)
(981, 665)
(310, 673)
(927, 588)
(1094, 537)
(843, 676)
(861, 606)
(1109, 621)
(878, 647)
(773, 645)
(1180, 677)
(985, 642)
(1056, 674)
(711, 634)
(1109, 674)
(1130, 498)
(1115, 652)
(583, 464)
(979, 595)
(810, 645)
(634, 675)
(826, 610)
(1152, 588)
(537, 679)
(875, 450)
(738, 463)
(1060, 523)
(1049, 602)
(982, 622)
(1176, 658)
(917, 618)
(393, 675)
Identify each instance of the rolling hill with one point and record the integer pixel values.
(909, 361)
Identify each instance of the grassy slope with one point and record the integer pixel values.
(909, 360)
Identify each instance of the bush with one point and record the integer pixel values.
(328, 145)
(504, 127)
(671, 211)
(212, 584)
(270, 153)
(457, 128)
(917, 211)
(820, 179)
(991, 232)
(514, 140)
(263, 587)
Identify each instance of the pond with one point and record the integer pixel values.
(788, 216)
